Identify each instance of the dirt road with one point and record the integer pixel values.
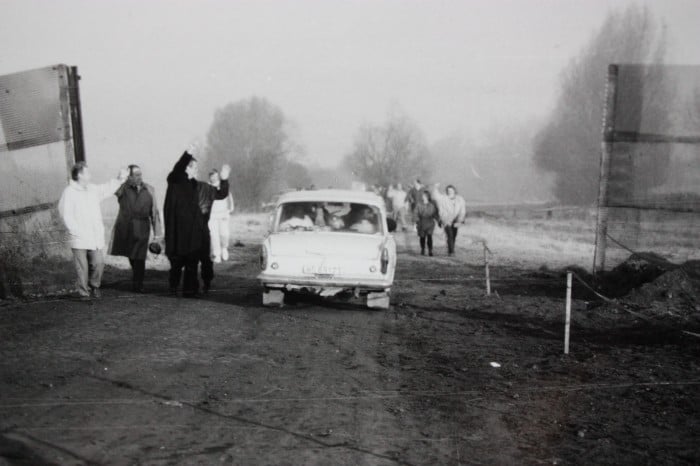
(154, 379)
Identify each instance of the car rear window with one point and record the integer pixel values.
(329, 216)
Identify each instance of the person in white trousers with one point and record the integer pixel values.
(221, 211)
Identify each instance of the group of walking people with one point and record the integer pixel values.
(196, 217)
(427, 208)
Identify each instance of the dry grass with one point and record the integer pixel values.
(526, 238)
(532, 243)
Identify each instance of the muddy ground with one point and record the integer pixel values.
(155, 379)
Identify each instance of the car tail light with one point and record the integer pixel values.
(385, 260)
(263, 258)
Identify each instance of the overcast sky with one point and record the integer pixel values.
(153, 72)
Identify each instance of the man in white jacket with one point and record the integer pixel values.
(80, 210)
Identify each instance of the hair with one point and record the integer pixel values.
(426, 193)
(451, 186)
(418, 181)
(213, 172)
(77, 170)
(192, 160)
(132, 167)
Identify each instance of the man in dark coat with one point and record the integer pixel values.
(207, 194)
(186, 229)
(413, 197)
(138, 213)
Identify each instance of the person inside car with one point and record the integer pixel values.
(365, 222)
(297, 218)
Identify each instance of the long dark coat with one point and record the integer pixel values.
(186, 210)
(426, 217)
(138, 213)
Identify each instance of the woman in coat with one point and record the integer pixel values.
(426, 216)
(138, 214)
(453, 211)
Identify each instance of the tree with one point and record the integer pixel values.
(296, 176)
(255, 137)
(569, 145)
(385, 154)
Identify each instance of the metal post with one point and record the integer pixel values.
(488, 275)
(76, 116)
(605, 153)
(567, 322)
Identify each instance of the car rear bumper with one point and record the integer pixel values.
(279, 281)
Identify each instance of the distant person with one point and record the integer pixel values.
(207, 195)
(426, 217)
(399, 205)
(413, 196)
(79, 208)
(186, 215)
(219, 230)
(453, 210)
(138, 214)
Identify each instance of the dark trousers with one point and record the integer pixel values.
(207, 264)
(451, 233)
(189, 263)
(207, 268)
(138, 268)
(426, 239)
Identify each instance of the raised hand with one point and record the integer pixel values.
(123, 174)
(225, 171)
(193, 148)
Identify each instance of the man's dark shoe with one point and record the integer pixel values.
(205, 288)
(430, 253)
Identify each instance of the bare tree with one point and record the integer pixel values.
(296, 176)
(569, 145)
(254, 136)
(394, 152)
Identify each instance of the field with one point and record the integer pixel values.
(448, 375)
(523, 242)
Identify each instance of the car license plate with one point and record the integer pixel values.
(326, 271)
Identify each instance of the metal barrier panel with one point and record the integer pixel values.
(35, 137)
(650, 174)
(30, 108)
(38, 111)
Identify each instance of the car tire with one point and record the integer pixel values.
(272, 297)
(379, 300)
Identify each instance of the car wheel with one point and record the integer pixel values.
(378, 300)
(273, 297)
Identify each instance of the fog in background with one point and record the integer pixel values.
(472, 75)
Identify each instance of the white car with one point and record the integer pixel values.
(327, 242)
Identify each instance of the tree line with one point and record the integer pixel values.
(261, 142)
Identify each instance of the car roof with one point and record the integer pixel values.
(332, 195)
